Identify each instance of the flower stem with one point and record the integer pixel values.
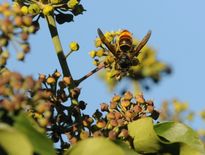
(59, 50)
(67, 55)
(99, 67)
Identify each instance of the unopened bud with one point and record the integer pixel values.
(128, 95)
(101, 124)
(50, 80)
(67, 80)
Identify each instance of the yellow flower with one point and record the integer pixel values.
(92, 54)
(72, 3)
(24, 10)
(100, 53)
(48, 9)
(34, 9)
(74, 46)
(110, 59)
(95, 62)
(50, 80)
(98, 42)
(108, 36)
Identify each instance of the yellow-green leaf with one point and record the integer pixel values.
(99, 146)
(13, 142)
(41, 143)
(145, 138)
(188, 139)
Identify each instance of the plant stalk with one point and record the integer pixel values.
(59, 50)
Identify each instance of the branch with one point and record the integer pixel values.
(59, 50)
(99, 67)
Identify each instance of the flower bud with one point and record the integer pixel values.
(84, 135)
(27, 20)
(104, 107)
(100, 53)
(118, 115)
(48, 9)
(42, 77)
(72, 3)
(109, 59)
(56, 74)
(110, 116)
(113, 123)
(128, 115)
(33, 9)
(24, 10)
(98, 42)
(74, 46)
(67, 80)
(97, 134)
(75, 92)
(18, 21)
(50, 80)
(25, 48)
(128, 95)
(20, 56)
(120, 122)
(112, 135)
(125, 103)
(42, 122)
(113, 105)
(92, 54)
(101, 124)
(137, 108)
(140, 99)
(5, 54)
(116, 98)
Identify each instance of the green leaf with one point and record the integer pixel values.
(145, 138)
(14, 142)
(99, 146)
(176, 132)
(41, 143)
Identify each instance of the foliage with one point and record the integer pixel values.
(40, 113)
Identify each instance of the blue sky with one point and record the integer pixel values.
(178, 35)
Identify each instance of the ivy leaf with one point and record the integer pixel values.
(40, 142)
(13, 142)
(179, 133)
(145, 138)
(99, 146)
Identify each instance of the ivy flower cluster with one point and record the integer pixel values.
(64, 10)
(15, 30)
(144, 65)
(23, 94)
(112, 119)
